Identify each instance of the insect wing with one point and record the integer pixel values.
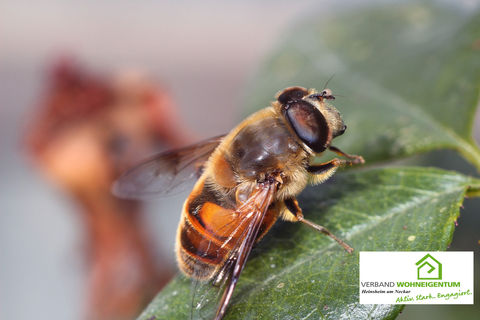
(166, 173)
(243, 236)
(256, 207)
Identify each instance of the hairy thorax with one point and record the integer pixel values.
(262, 145)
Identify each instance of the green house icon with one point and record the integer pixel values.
(429, 268)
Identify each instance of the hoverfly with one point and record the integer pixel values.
(247, 179)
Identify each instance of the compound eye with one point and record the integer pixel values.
(309, 124)
(291, 94)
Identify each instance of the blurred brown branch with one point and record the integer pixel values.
(87, 130)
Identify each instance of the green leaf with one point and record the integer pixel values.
(407, 76)
(297, 273)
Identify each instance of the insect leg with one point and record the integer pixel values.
(356, 159)
(325, 170)
(294, 208)
(331, 166)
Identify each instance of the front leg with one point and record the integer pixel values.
(294, 208)
(325, 170)
(332, 165)
(356, 159)
(321, 172)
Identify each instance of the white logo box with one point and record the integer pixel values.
(418, 277)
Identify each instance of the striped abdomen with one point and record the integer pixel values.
(209, 229)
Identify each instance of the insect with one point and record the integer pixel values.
(247, 180)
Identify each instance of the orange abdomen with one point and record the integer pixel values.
(209, 229)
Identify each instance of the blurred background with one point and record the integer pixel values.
(125, 68)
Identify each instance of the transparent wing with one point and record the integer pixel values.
(166, 173)
(243, 236)
(256, 207)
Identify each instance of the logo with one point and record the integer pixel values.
(429, 268)
(416, 277)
